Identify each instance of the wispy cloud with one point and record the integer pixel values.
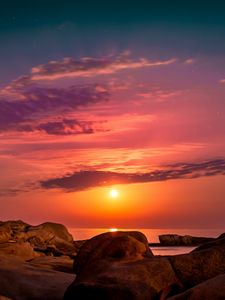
(88, 66)
(83, 180)
(28, 107)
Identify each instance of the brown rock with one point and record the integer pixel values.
(118, 245)
(5, 233)
(21, 250)
(49, 234)
(220, 241)
(200, 264)
(23, 281)
(119, 266)
(212, 289)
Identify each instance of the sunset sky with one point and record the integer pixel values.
(104, 95)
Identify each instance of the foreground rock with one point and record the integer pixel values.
(20, 280)
(203, 263)
(182, 240)
(212, 289)
(119, 266)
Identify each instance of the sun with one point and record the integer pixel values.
(114, 193)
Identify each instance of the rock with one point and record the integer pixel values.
(62, 263)
(21, 250)
(49, 234)
(120, 266)
(221, 236)
(220, 241)
(5, 233)
(16, 226)
(212, 289)
(179, 240)
(201, 264)
(23, 281)
(118, 245)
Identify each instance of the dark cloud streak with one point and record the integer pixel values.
(89, 179)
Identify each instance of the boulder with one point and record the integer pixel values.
(120, 266)
(212, 289)
(49, 234)
(118, 245)
(179, 240)
(23, 281)
(203, 263)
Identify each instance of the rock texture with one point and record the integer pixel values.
(201, 264)
(119, 266)
(179, 240)
(22, 249)
(212, 289)
(47, 238)
(20, 280)
(119, 245)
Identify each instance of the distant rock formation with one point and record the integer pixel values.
(179, 240)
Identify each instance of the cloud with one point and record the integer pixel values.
(222, 81)
(88, 66)
(83, 180)
(28, 107)
(65, 127)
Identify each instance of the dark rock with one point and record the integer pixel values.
(201, 264)
(119, 266)
(118, 245)
(179, 240)
(62, 263)
(23, 281)
(212, 289)
(215, 243)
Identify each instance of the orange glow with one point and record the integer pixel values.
(113, 229)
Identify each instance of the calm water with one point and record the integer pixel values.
(152, 236)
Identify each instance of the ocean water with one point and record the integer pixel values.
(152, 236)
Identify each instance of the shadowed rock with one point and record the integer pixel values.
(23, 281)
(212, 289)
(118, 245)
(203, 263)
(119, 266)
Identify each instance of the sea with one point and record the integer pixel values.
(152, 236)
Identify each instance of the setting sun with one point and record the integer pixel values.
(114, 193)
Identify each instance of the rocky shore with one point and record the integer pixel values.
(44, 262)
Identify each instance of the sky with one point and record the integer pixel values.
(100, 96)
